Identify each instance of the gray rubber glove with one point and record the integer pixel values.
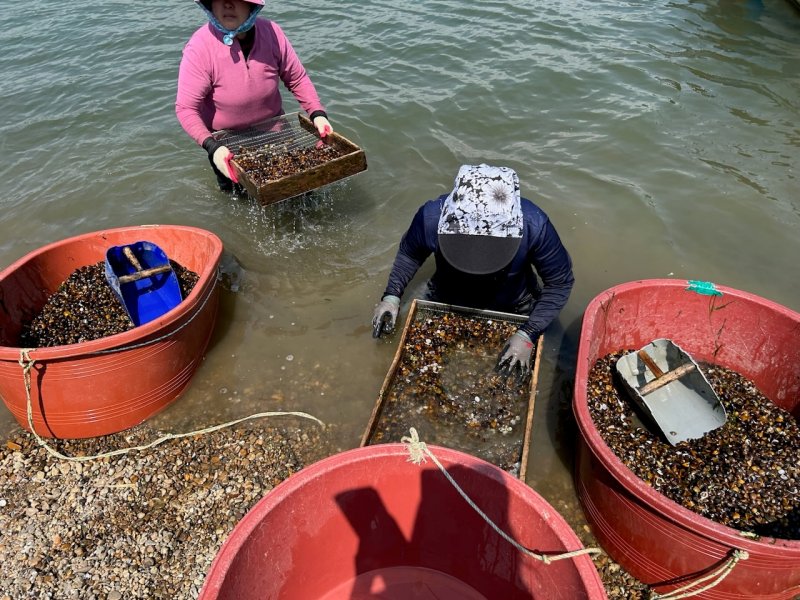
(385, 315)
(515, 358)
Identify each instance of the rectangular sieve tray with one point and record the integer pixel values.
(458, 438)
(291, 131)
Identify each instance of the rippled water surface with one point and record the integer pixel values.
(662, 138)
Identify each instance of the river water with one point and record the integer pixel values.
(661, 137)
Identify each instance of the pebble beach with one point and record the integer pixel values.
(146, 524)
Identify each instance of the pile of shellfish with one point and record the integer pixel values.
(745, 474)
(85, 308)
(445, 386)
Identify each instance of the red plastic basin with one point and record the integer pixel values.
(655, 539)
(367, 523)
(113, 383)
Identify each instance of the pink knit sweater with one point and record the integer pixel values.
(219, 89)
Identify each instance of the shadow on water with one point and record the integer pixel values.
(561, 425)
(733, 16)
(553, 454)
(230, 276)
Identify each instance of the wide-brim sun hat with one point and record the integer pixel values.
(480, 228)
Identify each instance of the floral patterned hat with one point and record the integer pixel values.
(480, 228)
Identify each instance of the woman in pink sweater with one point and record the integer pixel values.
(230, 75)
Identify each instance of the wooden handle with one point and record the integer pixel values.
(141, 274)
(129, 255)
(650, 363)
(661, 378)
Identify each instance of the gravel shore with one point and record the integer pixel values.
(143, 525)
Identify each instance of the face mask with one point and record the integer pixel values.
(228, 35)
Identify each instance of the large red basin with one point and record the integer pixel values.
(655, 539)
(367, 523)
(113, 383)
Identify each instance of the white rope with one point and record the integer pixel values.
(418, 450)
(27, 363)
(717, 575)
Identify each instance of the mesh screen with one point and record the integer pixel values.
(282, 133)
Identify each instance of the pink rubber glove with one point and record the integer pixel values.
(222, 160)
(323, 126)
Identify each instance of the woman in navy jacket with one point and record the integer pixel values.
(489, 245)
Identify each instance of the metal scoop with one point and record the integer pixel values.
(671, 389)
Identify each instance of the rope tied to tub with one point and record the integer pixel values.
(717, 575)
(27, 363)
(419, 453)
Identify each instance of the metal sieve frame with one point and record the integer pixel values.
(427, 306)
(282, 132)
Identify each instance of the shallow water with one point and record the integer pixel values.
(662, 138)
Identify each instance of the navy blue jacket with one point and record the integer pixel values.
(515, 289)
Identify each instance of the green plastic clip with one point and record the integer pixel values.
(703, 287)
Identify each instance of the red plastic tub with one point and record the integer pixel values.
(367, 523)
(113, 383)
(658, 541)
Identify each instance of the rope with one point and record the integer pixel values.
(717, 575)
(27, 363)
(418, 450)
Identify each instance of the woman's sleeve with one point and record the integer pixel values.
(294, 75)
(413, 251)
(554, 266)
(194, 84)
